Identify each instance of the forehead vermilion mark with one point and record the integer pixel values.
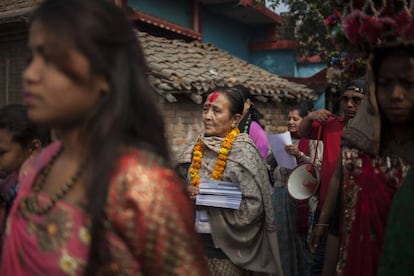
(213, 96)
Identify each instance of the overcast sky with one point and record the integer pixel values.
(280, 8)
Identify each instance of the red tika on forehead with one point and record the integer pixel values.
(213, 96)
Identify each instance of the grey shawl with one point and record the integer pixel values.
(248, 235)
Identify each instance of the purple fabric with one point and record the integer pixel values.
(258, 135)
(7, 187)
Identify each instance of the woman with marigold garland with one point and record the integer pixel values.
(241, 240)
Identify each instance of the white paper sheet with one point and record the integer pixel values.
(277, 143)
(202, 224)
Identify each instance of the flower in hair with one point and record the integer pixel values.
(374, 23)
(334, 29)
(402, 21)
(352, 25)
(373, 28)
(333, 19)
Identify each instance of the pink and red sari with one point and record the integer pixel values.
(369, 185)
(149, 228)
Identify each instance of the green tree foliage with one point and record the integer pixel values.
(305, 23)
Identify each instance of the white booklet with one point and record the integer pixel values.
(219, 194)
(277, 143)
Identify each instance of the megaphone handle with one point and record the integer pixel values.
(317, 144)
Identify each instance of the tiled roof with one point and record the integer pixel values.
(12, 9)
(193, 68)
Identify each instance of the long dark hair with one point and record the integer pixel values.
(127, 114)
(254, 114)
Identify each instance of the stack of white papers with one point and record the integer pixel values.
(219, 194)
(278, 144)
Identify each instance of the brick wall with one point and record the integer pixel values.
(275, 115)
(13, 56)
(183, 121)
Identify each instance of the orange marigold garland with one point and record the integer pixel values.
(196, 164)
(217, 173)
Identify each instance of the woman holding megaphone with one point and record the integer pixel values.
(291, 215)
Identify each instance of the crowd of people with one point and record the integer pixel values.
(88, 186)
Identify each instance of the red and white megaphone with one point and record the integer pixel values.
(303, 181)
